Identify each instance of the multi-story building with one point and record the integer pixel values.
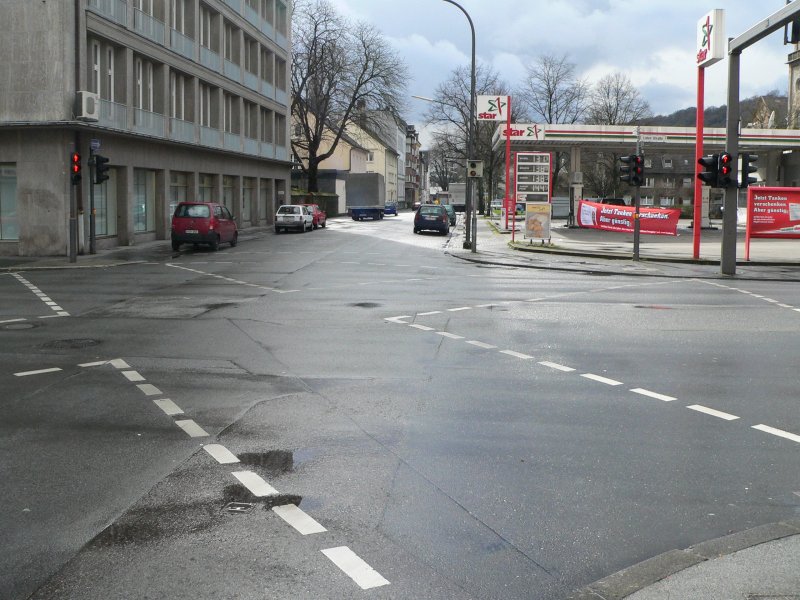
(188, 99)
(380, 141)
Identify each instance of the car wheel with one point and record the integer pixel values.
(214, 244)
(324, 223)
(315, 226)
(176, 245)
(381, 216)
(234, 240)
(416, 230)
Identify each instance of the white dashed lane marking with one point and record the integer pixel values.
(452, 336)
(253, 482)
(355, 568)
(221, 454)
(133, 376)
(421, 327)
(191, 428)
(556, 366)
(168, 406)
(778, 432)
(714, 413)
(516, 354)
(37, 372)
(54, 306)
(298, 519)
(481, 345)
(601, 379)
(149, 389)
(655, 395)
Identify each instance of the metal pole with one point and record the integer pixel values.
(471, 209)
(637, 200)
(728, 259)
(698, 154)
(508, 158)
(92, 249)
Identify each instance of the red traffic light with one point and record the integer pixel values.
(75, 168)
(725, 161)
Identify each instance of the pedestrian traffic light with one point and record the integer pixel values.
(100, 168)
(748, 166)
(725, 170)
(637, 170)
(75, 168)
(474, 168)
(710, 176)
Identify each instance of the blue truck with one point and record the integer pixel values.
(365, 196)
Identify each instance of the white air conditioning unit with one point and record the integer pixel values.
(88, 106)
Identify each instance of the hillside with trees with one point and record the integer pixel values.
(753, 110)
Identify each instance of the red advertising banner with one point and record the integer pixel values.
(773, 212)
(611, 217)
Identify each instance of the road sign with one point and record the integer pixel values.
(94, 144)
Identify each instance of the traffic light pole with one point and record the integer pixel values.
(637, 199)
(92, 249)
(728, 257)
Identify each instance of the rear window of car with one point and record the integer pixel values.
(289, 210)
(198, 211)
(431, 210)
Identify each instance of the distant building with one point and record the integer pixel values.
(187, 98)
(414, 175)
(381, 134)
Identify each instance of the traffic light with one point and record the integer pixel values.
(626, 168)
(725, 170)
(637, 170)
(100, 168)
(710, 175)
(748, 167)
(474, 168)
(75, 168)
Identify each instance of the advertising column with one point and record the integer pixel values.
(532, 185)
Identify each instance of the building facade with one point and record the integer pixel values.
(188, 99)
(414, 175)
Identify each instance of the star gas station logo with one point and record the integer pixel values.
(711, 38)
(492, 108)
(705, 45)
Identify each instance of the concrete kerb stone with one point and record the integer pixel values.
(646, 573)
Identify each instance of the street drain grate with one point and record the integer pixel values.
(239, 507)
(365, 304)
(17, 326)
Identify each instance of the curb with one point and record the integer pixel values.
(644, 574)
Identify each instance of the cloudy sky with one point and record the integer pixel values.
(653, 42)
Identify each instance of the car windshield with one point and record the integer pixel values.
(200, 211)
(289, 210)
(430, 210)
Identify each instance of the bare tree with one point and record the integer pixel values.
(614, 101)
(339, 70)
(450, 113)
(442, 169)
(552, 93)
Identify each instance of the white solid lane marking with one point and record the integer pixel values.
(118, 363)
(714, 413)
(779, 432)
(168, 406)
(38, 372)
(516, 354)
(432, 312)
(254, 483)
(221, 454)
(355, 568)
(601, 379)
(191, 428)
(149, 389)
(133, 376)
(421, 327)
(785, 305)
(298, 519)
(486, 305)
(12, 321)
(98, 363)
(655, 395)
(552, 365)
(459, 308)
(452, 336)
(481, 345)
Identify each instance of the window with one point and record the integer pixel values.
(105, 204)
(178, 15)
(251, 120)
(228, 188)
(230, 113)
(280, 17)
(280, 130)
(267, 66)
(95, 85)
(178, 191)
(251, 55)
(248, 195)
(669, 182)
(370, 156)
(110, 73)
(205, 105)
(231, 46)
(205, 27)
(143, 73)
(9, 226)
(666, 201)
(648, 162)
(267, 130)
(268, 11)
(144, 200)
(280, 74)
(667, 163)
(687, 182)
(206, 188)
(177, 95)
(649, 182)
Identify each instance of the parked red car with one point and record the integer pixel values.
(203, 223)
(320, 217)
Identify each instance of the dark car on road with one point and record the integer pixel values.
(451, 213)
(319, 216)
(203, 223)
(390, 208)
(432, 217)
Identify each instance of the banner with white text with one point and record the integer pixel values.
(611, 217)
(773, 212)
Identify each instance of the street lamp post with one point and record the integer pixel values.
(472, 233)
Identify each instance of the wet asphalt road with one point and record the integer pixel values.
(465, 431)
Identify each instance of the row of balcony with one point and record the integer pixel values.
(153, 29)
(115, 116)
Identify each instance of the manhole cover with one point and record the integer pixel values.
(72, 344)
(239, 507)
(16, 326)
(365, 304)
